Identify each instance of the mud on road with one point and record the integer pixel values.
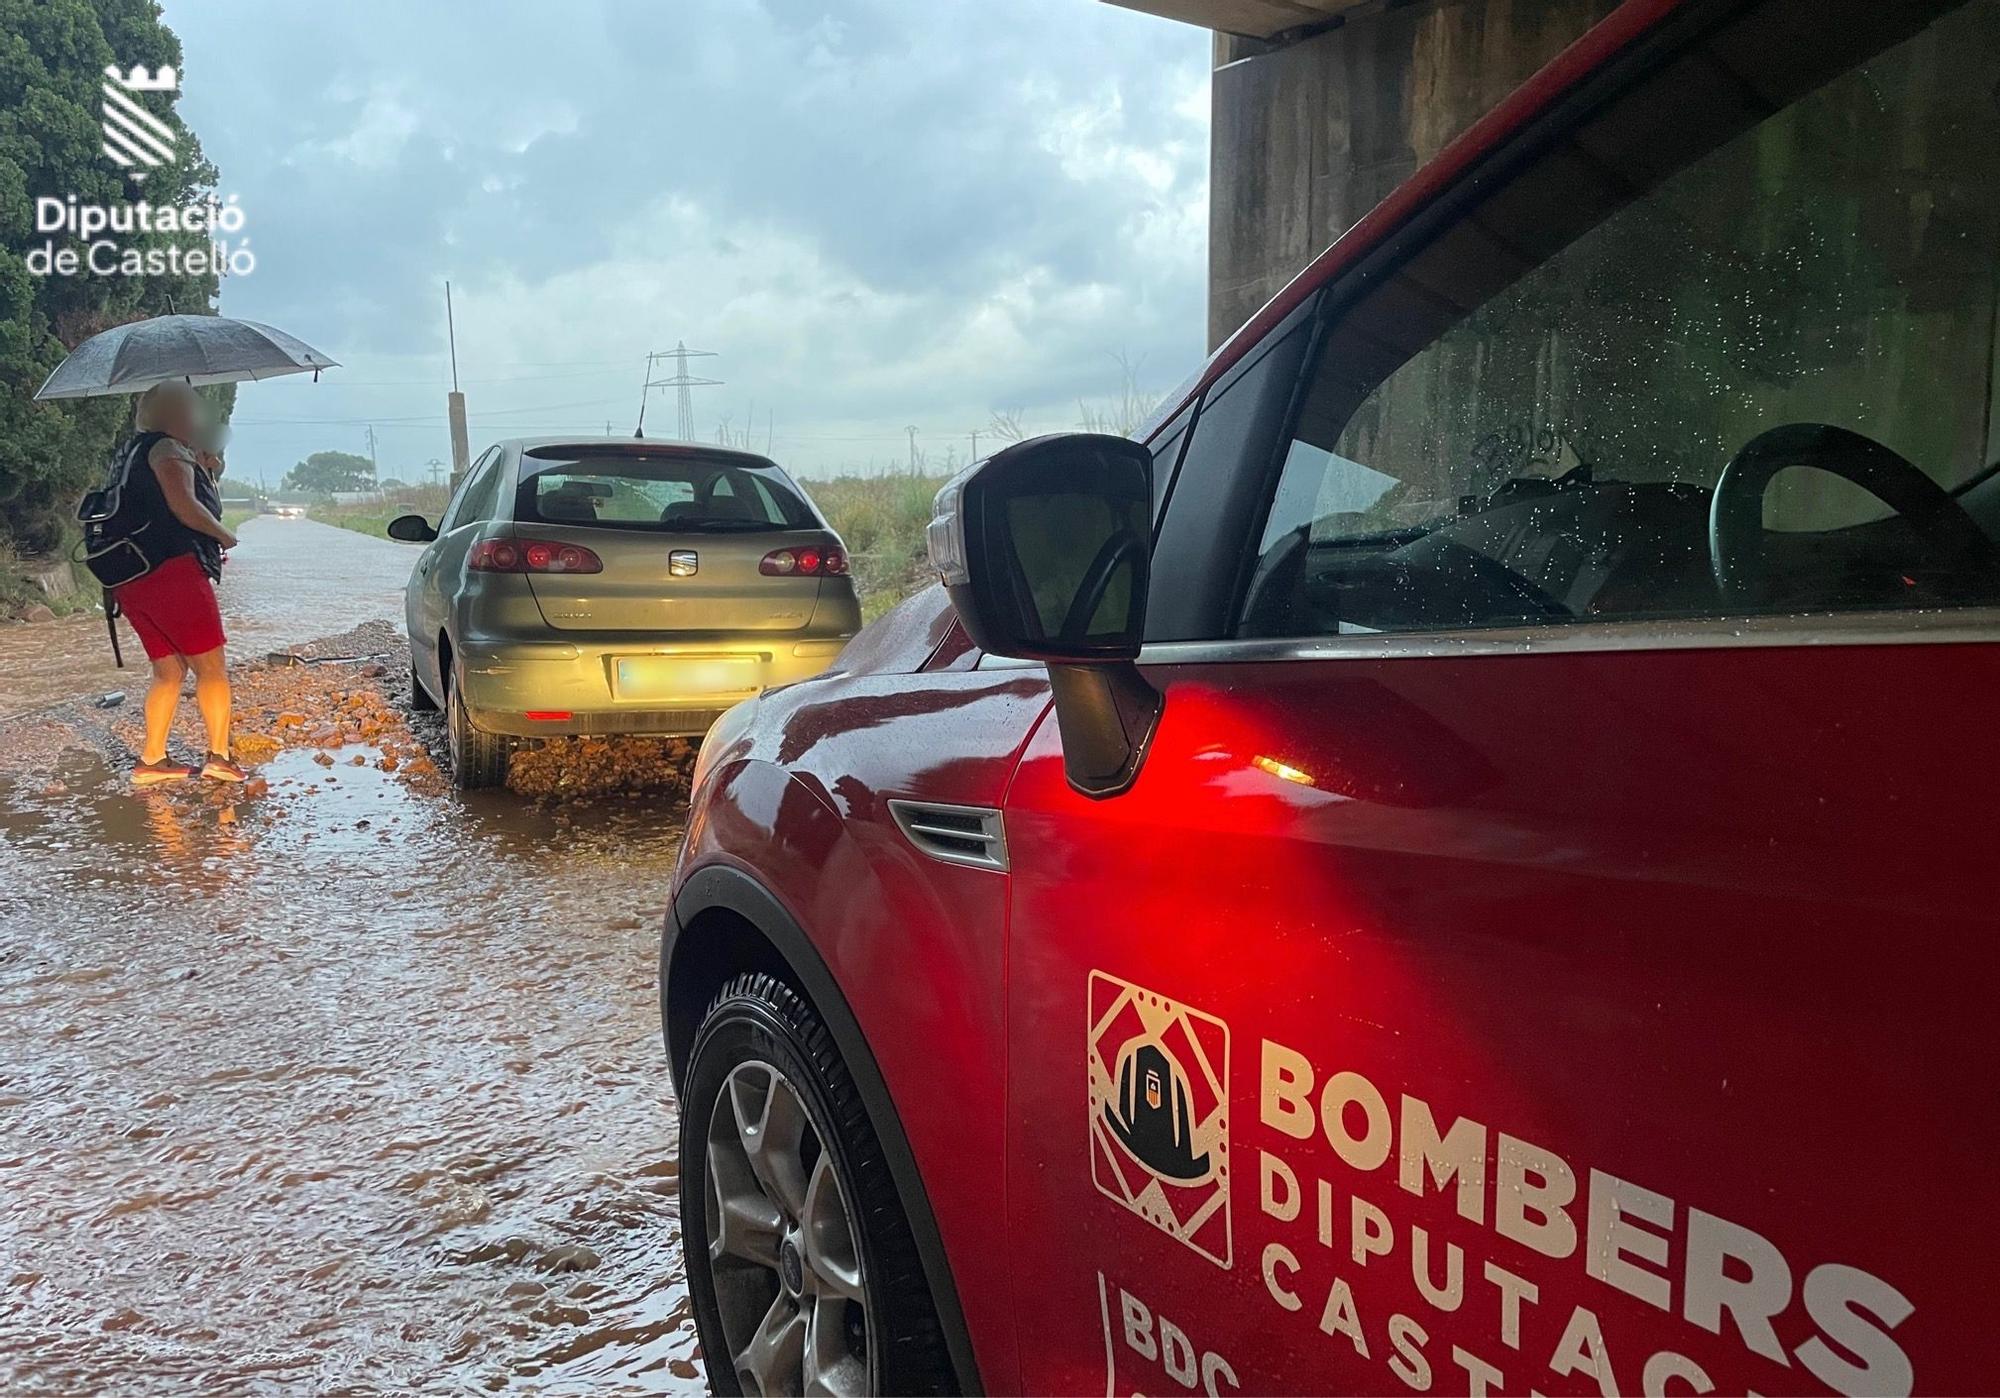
(338, 1083)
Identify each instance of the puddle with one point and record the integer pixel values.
(352, 1084)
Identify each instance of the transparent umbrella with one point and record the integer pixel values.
(198, 349)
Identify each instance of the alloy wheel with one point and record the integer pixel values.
(782, 1248)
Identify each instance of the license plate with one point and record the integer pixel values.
(649, 677)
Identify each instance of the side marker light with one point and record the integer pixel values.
(1283, 771)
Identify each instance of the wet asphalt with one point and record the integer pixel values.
(355, 1088)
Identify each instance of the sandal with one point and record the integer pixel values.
(165, 770)
(220, 769)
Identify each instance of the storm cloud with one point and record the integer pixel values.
(880, 213)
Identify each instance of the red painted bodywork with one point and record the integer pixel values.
(1710, 922)
(1713, 929)
(796, 799)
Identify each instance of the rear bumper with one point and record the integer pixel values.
(571, 684)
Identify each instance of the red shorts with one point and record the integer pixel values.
(173, 609)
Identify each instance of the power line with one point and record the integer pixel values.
(329, 383)
(421, 420)
(682, 382)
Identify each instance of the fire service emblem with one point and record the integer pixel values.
(1159, 1112)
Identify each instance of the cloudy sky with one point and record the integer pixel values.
(879, 213)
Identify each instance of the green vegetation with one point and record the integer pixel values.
(325, 472)
(19, 593)
(881, 519)
(50, 145)
(373, 518)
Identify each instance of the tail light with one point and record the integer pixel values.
(531, 556)
(804, 562)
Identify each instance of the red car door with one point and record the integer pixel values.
(1550, 941)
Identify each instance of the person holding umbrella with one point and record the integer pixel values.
(170, 601)
(173, 607)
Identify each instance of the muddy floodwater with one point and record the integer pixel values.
(351, 1086)
(286, 581)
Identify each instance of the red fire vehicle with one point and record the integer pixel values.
(1465, 862)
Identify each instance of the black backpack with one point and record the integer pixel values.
(123, 537)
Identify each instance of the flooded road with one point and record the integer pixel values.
(348, 1085)
(287, 581)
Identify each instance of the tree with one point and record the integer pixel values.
(1121, 416)
(51, 66)
(330, 472)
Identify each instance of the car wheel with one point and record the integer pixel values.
(477, 759)
(420, 698)
(804, 1274)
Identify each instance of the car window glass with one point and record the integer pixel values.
(1166, 450)
(630, 490)
(1217, 493)
(767, 499)
(1794, 334)
(483, 496)
(454, 509)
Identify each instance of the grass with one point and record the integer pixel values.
(881, 519)
(18, 593)
(428, 501)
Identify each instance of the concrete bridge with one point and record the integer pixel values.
(1323, 106)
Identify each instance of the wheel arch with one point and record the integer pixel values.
(724, 922)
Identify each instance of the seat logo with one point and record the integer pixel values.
(1159, 1112)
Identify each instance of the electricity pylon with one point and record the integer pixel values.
(683, 382)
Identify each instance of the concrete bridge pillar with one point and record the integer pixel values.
(1316, 122)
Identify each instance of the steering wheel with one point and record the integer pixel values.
(1097, 578)
(1736, 514)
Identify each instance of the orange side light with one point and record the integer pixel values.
(1283, 771)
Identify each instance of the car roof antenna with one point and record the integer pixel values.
(644, 389)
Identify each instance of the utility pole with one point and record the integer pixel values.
(975, 444)
(682, 382)
(373, 470)
(913, 449)
(461, 440)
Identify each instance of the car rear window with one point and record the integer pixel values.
(666, 494)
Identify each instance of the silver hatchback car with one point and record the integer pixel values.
(616, 585)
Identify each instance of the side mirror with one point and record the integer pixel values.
(411, 529)
(1046, 551)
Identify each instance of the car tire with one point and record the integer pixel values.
(420, 698)
(478, 759)
(800, 1258)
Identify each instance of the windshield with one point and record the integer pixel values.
(613, 490)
